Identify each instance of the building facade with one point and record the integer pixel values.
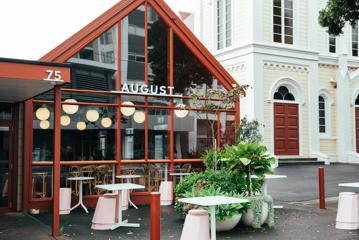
(122, 104)
(304, 82)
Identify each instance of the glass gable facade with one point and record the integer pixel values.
(128, 109)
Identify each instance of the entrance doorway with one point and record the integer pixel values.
(286, 123)
(7, 190)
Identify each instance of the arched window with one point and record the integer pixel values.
(322, 126)
(283, 94)
(357, 101)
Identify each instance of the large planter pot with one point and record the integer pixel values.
(248, 217)
(228, 224)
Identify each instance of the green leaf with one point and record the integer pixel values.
(245, 161)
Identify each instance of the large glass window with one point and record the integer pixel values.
(224, 24)
(283, 21)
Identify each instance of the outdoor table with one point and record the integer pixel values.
(80, 179)
(128, 180)
(212, 202)
(353, 184)
(119, 187)
(265, 184)
(180, 174)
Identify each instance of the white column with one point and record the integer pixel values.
(313, 109)
(343, 110)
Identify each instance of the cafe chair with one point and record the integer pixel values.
(88, 171)
(39, 178)
(196, 225)
(101, 175)
(69, 184)
(348, 211)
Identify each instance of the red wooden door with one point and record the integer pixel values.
(286, 129)
(357, 128)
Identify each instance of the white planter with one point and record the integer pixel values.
(248, 217)
(228, 224)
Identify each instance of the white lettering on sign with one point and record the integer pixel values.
(143, 89)
(53, 75)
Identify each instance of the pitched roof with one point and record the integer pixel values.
(97, 27)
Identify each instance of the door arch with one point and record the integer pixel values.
(286, 122)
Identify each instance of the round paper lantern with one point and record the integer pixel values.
(65, 120)
(44, 124)
(139, 117)
(92, 115)
(42, 113)
(81, 126)
(106, 122)
(70, 109)
(128, 111)
(181, 113)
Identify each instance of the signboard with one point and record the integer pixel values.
(143, 89)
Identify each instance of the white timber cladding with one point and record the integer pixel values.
(307, 65)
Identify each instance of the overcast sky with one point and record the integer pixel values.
(31, 28)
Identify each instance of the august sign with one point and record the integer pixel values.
(152, 90)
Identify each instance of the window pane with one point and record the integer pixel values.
(289, 39)
(157, 50)
(322, 129)
(321, 121)
(133, 136)
(95, 66)
(5, 111)
(193, 135)
(43, 134)
(96, 141)
(288, 4)
(158, 134)
(228, 128)
(41, 182)
(277, 3)
(277, 20)
(277, 11)
(277, 38)
(288, 22)
(189, 72)
(288, 13)
(277, 29)
(288, 31)
(132, 47)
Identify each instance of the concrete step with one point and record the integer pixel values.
(290, 161)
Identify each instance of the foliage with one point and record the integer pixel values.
(336, 13)
(257, 207)
(249, 159)
(248, 131)
(198, 181)
(222, 211)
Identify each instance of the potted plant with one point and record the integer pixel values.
(251, 159)
(212, 183)
(227, 216)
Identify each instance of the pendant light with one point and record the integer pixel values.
(65, 120)
(181, 112)
(139, 117)
(70, 109)
(106, 122)
(44, 124)
(42, 113)
(128, 111)
(81, 125)
(92, 115)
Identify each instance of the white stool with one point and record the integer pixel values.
(105, 213)
(348, 211)
(166, 191)
(196, 225)
(65, 201)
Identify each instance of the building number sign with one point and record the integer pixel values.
(53, 75)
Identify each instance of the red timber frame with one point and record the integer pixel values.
(73, 45)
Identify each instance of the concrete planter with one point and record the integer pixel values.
(248, 217)
(228, 224)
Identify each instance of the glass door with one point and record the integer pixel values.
(4, 166)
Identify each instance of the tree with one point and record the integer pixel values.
(337, 13)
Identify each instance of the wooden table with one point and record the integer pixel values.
(119, 187)
(212, 202)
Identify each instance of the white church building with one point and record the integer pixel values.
(304, 82)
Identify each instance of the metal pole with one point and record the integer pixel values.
(56, 163)
(155, 216)
(321, 188)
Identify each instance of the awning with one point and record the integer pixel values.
(22, 79)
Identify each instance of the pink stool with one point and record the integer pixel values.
(105, 213)
(166, 191)
(348, 211)
(65, 201)
(124, 202)
(196, 225)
